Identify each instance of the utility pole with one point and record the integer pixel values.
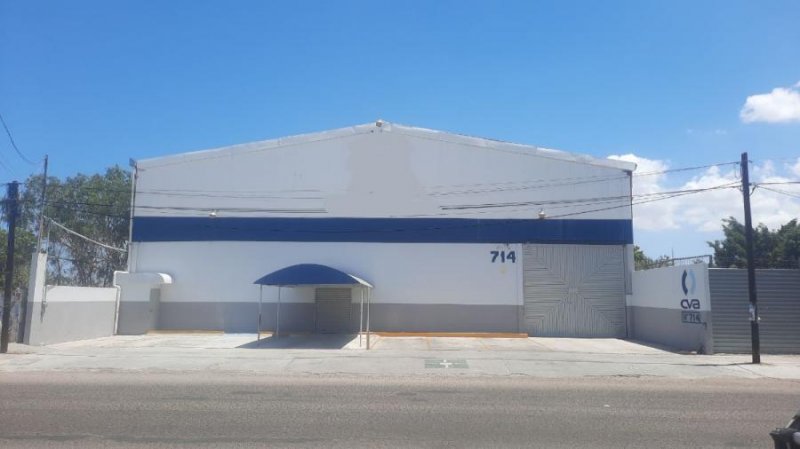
(134, 177)
(23, 309)
(751, 265)
(12, 211)
(42, 199)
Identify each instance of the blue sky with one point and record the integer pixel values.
(94, 83)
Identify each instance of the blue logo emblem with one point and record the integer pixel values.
(692, 282)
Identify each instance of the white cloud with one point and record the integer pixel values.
(796, 167)
(782, 105)
(704, 211)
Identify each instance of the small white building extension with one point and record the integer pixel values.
(453, 233)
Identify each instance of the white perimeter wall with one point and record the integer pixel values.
(401, 272)
(71, 313)
(662, 288)
(66, 294)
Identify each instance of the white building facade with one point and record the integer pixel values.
(455, 233)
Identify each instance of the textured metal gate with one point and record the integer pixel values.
(333, 310)
(778, 305)
(574, 290)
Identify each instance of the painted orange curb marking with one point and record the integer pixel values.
(454, 334)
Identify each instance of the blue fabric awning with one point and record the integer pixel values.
(308, 274)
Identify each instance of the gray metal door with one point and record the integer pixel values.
(333, 310)
(574, 290)
(778, 305)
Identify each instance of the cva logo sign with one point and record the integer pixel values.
(689, 285)
(689, 306)
(693, 304)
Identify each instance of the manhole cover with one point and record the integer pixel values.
(446, 363)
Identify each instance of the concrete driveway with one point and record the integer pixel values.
(390, 356)
(531, 344)
(351, 342)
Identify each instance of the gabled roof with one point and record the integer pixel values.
(382, 126)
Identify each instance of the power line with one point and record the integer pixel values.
(575, 201)
(544, 183)
(103, 189)
(14, 144)
(216, 195)
(100, 214)
(235, 209)
(776, 183)
(490, 223)
(793, 195)
(559, 203)
(578, 200)
(230, 191)
(79, 203)
(509, 186)
(679, 193)
(681, 169)
(60, 203)
(474, 208)
(59, 225)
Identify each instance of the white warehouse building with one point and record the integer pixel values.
(443, 232)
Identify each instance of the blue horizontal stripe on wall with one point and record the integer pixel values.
(385, 230)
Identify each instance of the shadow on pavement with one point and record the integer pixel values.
(658, 346)
(312, 341)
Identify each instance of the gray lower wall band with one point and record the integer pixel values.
(235, 316)
(300, 317)
(58, 322)
(664, 327)
(445, 318)
(134, 318)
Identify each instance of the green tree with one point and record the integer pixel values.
(96, 206)
(642, 262)
(24, 245)
(771, 249)
(786, 251)
(640, 259)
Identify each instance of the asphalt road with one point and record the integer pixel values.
(94, 410)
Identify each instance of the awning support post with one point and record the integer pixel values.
(361, 318)
(260, 299)
(278, 317)
(369, 299)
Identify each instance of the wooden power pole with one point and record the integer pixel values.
(751, 264)
(23, 309)
(12, 211)
(42, 200)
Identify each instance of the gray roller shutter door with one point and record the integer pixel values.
(574, 290)
(334, 306)
(778, 305)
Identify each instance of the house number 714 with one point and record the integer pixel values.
(504, 256)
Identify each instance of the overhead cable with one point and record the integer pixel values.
(577, 200)
(59, 225)
(14, 144)
(782, 192)
(679, 193)
(550, 182)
